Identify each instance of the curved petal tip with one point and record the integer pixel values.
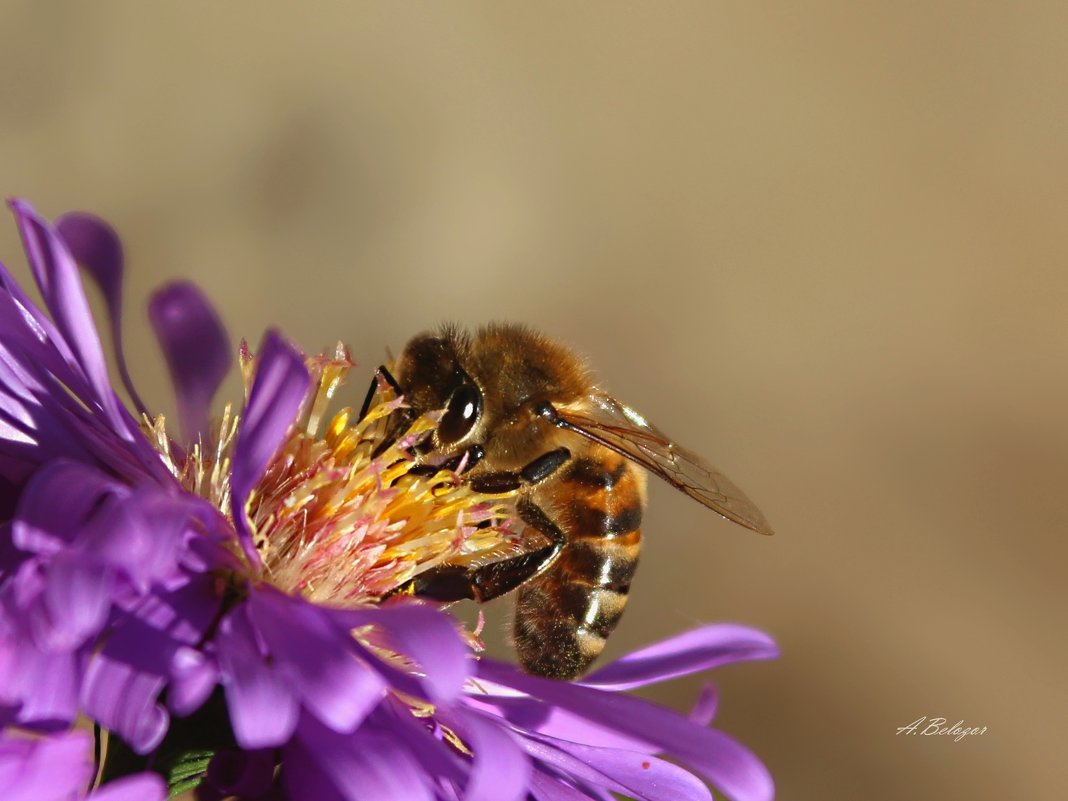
(196, 347)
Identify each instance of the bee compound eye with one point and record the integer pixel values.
(461, 414)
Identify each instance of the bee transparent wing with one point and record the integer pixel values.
(618, 427)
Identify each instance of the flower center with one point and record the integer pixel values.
(340, 515)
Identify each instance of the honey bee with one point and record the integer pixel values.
(524, 415)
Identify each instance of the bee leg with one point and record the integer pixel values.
(486, 582)
(399, 419)
(506, 481)
(383, 373)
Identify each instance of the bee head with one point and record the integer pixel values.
(489, 386)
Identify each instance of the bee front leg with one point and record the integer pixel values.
(468, 458)
(486, 582)
(383, 373)
(399, 419)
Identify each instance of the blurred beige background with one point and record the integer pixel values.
(822, 243)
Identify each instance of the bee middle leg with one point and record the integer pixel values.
(503, 482)
(485, 582)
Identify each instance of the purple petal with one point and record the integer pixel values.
(40, 419)
(535, 715)
(193, 677)
(78, 597)
(33, 346)
(39, 359)
(704, 709)
(551, 788)
(338, 688)
(278, 391)
(728, 765)
(366, 766)
(50, 769)
(124, 699)
(638, 775)
(55, 505)
(9, 690)
(10, 556)
(691, 652)
(142, 787)
(17, 388)
(96, 247)
(48, 686)
(501, 771)
(183, 614)
(262, 702)
(42, 379)
(437, 758)
(567, 726)
(28, 318)
(197, 350)
(142, 534)
(426, 635)
(303, 778)
(57, 276)
(124, 680)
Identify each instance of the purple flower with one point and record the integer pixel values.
(59, 768)
(140, 574)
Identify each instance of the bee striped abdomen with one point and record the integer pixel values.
(564, 616)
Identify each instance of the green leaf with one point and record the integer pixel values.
(184, 771)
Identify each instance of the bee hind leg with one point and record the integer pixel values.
(483, 583)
